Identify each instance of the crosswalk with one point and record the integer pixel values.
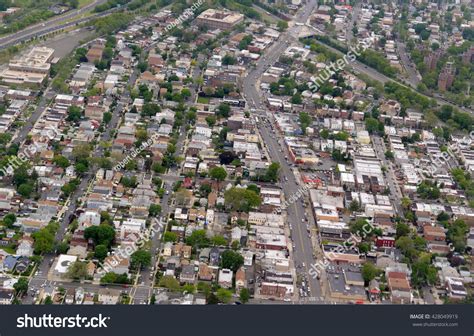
(140, 295)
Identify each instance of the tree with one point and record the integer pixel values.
(228, 60)
(305, 120)
(20, 176)
(240, 199)
(170, 237)
(204, 287)
(141, 258)
(102, 234)
(254, 188)
(218, 173)
(100, 252)
(219, 241)
(81, 168)
(231, 260)
(339, 156)
(442, 216)
(354, 206)
(74, 113)
(407, 246)
(9, 220)
(48, 300)
(406, 203)
(428, 190)
(211, 120)
(44, 239)
(205, 189)
(212, 299)
(372, 125)
(296, 99)
(369, 272)
(108, 278)
(61, 161)
(154, 210)
(271, 174)
(457, 234)
(224, 295)
(244, 295)
(150, 109)
(107, 117)
(21, 286)
(324, 133)
(198, 239)
(282, 25)
(69, 187)
(389, 155)
(25, 190)
(169, 282)
(77, 270)
(423, 272)
(402, 230)
(223, 110)
(62, 247)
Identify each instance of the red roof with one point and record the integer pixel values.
(188, 182)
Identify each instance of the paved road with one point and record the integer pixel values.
(390, 178)
(86, 179)
(303, 251)
(142, 291)
(413, 77)
(355, 16)
(28, 33)
(374, 74)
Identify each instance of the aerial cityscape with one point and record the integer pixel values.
(270, 152)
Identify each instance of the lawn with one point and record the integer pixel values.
(203, 100)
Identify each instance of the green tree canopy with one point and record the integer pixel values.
(240, 199)
(231, 260)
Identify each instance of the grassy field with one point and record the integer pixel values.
(203, 100)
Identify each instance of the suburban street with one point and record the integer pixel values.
(142, 290)
(86, 180)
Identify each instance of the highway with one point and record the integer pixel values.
(303, 251)
(50, 26)
(374, 74)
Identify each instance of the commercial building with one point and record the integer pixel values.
(216, 19)
(31, 68)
